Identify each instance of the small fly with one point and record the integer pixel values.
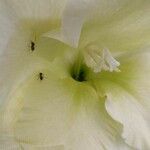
(32, 46)
(41, 76)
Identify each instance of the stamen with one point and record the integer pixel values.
(100, 60)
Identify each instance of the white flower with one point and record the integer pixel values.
(74, 75)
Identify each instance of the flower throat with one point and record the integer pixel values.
(79, 70)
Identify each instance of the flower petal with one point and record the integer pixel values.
(128, 100)
(61, 111)
(6, 27)
(74, 15)
(36, 9)
(124, 108)
(119, 26)
(95, 130)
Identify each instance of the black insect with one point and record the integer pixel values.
(32, 46)
(41, 76)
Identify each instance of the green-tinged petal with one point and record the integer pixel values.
(119, 26)
(60, 113)
(128, 98)
(36, 15)
(18, 33)
(18, 57)
(17, 60)
(10, 80)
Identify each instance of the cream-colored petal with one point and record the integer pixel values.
(36, 9)
(60, 111)
(128, 98)
(7, 27)
(95, 129)
(36, 15)
(18, 55)
(73, 18)
(11, 80)
(74, 15)
(124, 108)
(120, 26)
(17, 60)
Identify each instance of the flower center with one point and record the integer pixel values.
(80, 75)
(79, 70)
(95, 60)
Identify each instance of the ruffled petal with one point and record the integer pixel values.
(128, 99)
(59, 112)
(124, 108)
